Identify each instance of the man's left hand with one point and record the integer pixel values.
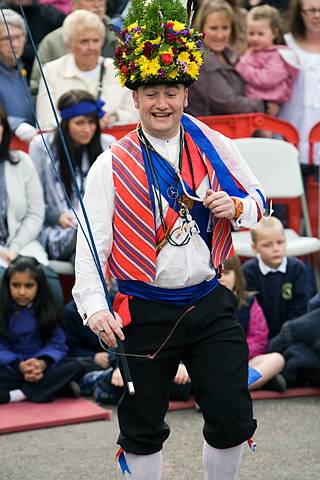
(220, 204)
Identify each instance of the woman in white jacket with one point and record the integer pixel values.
(21, 207)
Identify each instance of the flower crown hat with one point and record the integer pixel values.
(157, 46)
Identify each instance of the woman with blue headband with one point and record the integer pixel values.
(80, 114)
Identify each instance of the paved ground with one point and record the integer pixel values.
(288, 440)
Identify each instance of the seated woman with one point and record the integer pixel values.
(83, 68)
(21, 208)
(80, 114)
(219, 89)
(252, 318)
(13, 83)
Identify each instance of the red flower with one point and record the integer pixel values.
(124, 70)
(166, 58)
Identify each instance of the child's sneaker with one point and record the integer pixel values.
(88, 381)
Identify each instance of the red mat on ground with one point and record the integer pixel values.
(258, 395)
(17, 417)
(290, 393)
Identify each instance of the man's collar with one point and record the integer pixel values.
(159, 141)
(264, 269)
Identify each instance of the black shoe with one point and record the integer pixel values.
(72, 390)
(4, 397)
(277, 384)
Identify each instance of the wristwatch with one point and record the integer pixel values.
(238, 207)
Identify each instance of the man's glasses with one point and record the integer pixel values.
(311, 12)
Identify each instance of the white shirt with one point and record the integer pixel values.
(176, 267)
(264, 269)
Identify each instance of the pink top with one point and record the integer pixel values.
(269, 73)
(258, 331)
(63, 5)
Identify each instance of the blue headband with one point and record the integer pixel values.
(83, 108)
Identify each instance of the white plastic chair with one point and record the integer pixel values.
(275, 163)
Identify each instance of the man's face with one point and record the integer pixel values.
(161, 108)
(271, 245)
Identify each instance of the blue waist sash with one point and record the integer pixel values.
(179, 296)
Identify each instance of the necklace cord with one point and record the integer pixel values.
(149, 355)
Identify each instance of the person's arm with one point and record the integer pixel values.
(254, 203)
(33, 196)
(55, 349)
(7, 356)
(222, 97)
(263, 75)
(40, 158)
(98, 200)
(44, 114)
(299, 302)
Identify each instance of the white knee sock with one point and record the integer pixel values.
(144, 467)
(221, 464)
(17, 396)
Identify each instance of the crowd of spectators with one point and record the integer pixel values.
(251, 64)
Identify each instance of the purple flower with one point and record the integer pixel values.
(147, 49)
(132, 66)
(199, 44)
(162, 72)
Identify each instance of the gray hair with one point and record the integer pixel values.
(78, 21)
(13, 19)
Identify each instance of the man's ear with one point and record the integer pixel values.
(135, 99)
(254, 247)
(186, 94)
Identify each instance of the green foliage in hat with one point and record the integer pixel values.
(136, 12)
(157, 45)
(155, 12)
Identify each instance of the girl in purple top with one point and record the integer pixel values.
(33, 363)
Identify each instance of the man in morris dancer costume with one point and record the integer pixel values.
(161, 203)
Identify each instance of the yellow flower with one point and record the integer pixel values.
(193, 70)
(139, 48)
(197, 57)
(177, 26)
(122, 80)
(173, 74)
(132, 26)
(183, 56)
(148, 68)
(156, 41)
(191, 46)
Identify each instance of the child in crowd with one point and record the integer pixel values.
(299, 342)
(33, 363)
(252, 319)
(268, 68)
(280, 281)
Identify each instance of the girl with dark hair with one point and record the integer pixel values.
(33, 363)
(252, 319)
(80, 114)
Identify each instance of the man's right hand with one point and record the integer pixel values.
(104, 320)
